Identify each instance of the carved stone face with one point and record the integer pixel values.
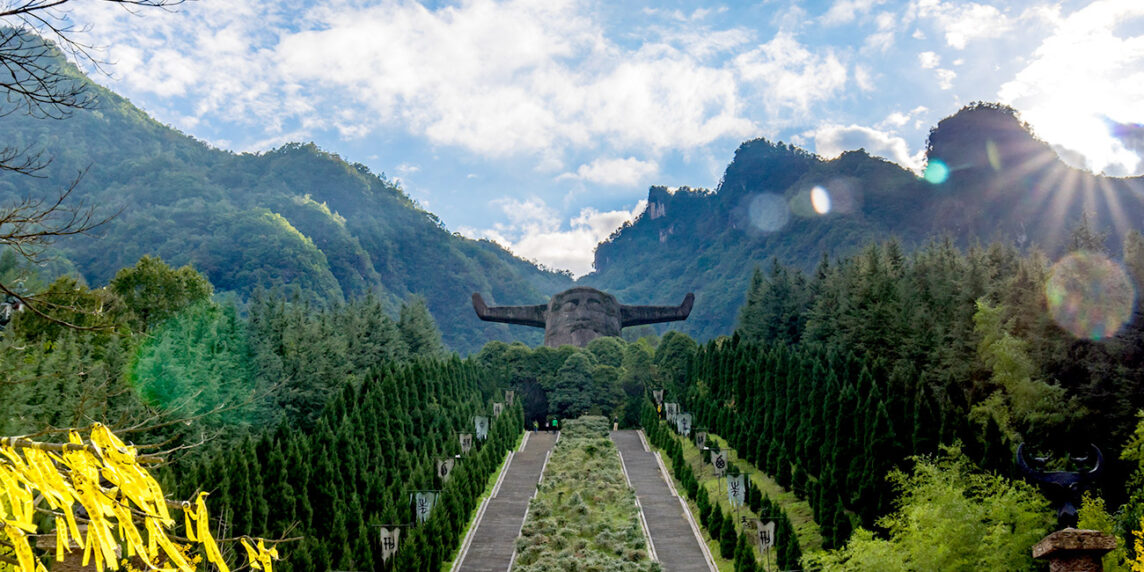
(580, 315)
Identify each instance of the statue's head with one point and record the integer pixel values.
(580, 315)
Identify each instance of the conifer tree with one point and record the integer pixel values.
(744, 554)
(728, 537)
(419, 329)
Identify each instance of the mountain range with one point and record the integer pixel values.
(296, 217)
(988, 178)
(329, 230)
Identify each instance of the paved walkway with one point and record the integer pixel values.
(495, 538)
(672, 535)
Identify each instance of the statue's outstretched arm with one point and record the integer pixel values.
(523, 315)
(640, 315)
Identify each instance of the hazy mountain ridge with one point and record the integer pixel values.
(300, 216)
(296, 215)
(1002, 184)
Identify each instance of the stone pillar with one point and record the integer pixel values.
(1072, 550)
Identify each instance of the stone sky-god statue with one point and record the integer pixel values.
(580, 315)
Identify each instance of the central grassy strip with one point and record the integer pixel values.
(584, 516)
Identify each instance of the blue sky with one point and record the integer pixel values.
(541, 123)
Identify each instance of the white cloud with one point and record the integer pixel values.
(696, 15)
(1088, 71)
(945, 78)
(846, 11)
(883, 39)
(211, 54)
(493, 77)
(962, 23)
(863, 77)
(929, 60)
(615, 172)
(899, 119)
(535, 232)
(830, 140)
(791, 77)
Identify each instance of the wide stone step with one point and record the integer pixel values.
(672, 534)
(495, 537)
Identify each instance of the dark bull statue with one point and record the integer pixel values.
(580, 315)
(1064, 489)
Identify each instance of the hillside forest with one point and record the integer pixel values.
(286, 339)
(314, 422)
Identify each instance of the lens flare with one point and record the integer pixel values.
(768, 212)
(820, 199)
(1089, 295)
(993, 154)
(936, 172)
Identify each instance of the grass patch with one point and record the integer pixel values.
(584, 516)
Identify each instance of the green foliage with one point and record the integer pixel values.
(154, 292)
(67, 305)
(775, 310)
(376, 440)
(951, 517)
(198, 361)
(572, 391)
(672, 358)
(744, 556)
(1130, 515)
(611, 377)
(68, 381)
(1092, 515)
(608, 350)
(419, 330)
(728, 538)
(1020, 405)
(898, 354)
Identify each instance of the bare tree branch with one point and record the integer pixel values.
(30, 225)
(34, 79)
(23, 161)
(32, 76)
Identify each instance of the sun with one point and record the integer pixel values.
(1086, 139)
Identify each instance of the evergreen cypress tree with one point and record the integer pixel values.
(728, 537)
(783, 476)
(842, 526)
(715, 521)
(419, 330)
(703, 502)
(744, 555)
(790, 553)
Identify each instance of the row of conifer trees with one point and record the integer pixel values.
(824, 425)
(375, 444)
(720, 526)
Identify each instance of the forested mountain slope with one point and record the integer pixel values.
(296, 216)
(304, 218)
(989, 179)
